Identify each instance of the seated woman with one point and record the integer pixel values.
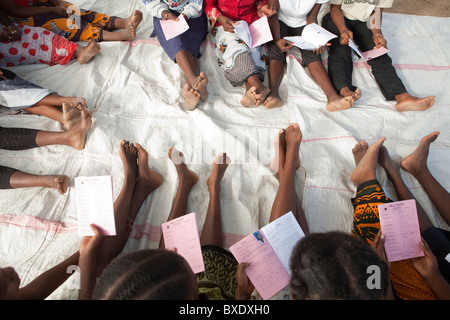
(79, 25)
(28, 45)
(239, 63)
(350, 21)
(184, 49)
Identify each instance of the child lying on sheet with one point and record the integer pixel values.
(65, 19)
(27, 45)
(292, 17)
(239, 63)
(183, 49)
(350, 20)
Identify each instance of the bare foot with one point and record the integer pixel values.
(71, 115)
(293, 139)
(417, 161)
(135, 19)
(187, 177)
(365, 168)
(346, 92)
(340, 103)
(384, 159)
(191, 97)
(406, 102)
(85, 54)
(129, 154)
(61, 183)
(200, 86)
(279, 144)
(359, 150)
(219, 166)
(247, 99)
(148, 179)
(260, 95)
(127, 34)
(273, 102)
(76, 136)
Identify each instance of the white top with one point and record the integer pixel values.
(361, 9)
(293, 12)
(191, 8)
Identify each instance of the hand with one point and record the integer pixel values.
(321, 49)
(267, 10)
(91, 244)
(60, 11)
(244, 285)
(345, 37)
(378, 246)
(284, 45)
(379, 41)
(167, 15)
(227, 23)
(427, 265)
(9, 33)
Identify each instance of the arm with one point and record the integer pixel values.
(428, 268)
(281, 43)
(193, 9)
(312, 18)
(10, 8)
(339, 21)
(377, 35)
(44, 285)
(212, 11)
(156, 8)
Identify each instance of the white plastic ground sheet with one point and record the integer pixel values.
(134, 91)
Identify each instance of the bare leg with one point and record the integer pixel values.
(276, 73)
(126, 34)
(366, 159)
(111, 246)
(21, 179)
(286, 198)
(403, 193)
(212, 233)
(186, 180)
(74, 137)
(406, 102)
(416, 164)
(256, 92)
(335, 102)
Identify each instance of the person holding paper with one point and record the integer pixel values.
(183, 49)
(350, 20)
(239, 63)
(71, 22)
(409, 282)
(292, 17)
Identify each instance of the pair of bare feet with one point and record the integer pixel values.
(192, 94)
(366, 158)
(128, 26)
(287, 150)
(256, 96)
(188, 178)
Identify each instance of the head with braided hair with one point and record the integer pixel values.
(334, 265)
(150, 274)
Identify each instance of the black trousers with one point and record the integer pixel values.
(340, 63)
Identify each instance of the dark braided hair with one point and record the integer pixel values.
(334, 265)
(150, 274)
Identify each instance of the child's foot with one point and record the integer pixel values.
(219, 166)
(273, 102)
(366, 164)
(359, 150)
(293, 137)
(260, 95)
(148, 179)
(200, 85)
(61, 183)
(135, 19)
(417, 161)
(85, 54)
(406, 102)
(77, 134)
(71, 115)
(340, 103)
(128, 154)
(279, 144)
(346, 92)
(187, 177)
(191, 97)
(76, 102)
(384, 159)
(247, 99)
